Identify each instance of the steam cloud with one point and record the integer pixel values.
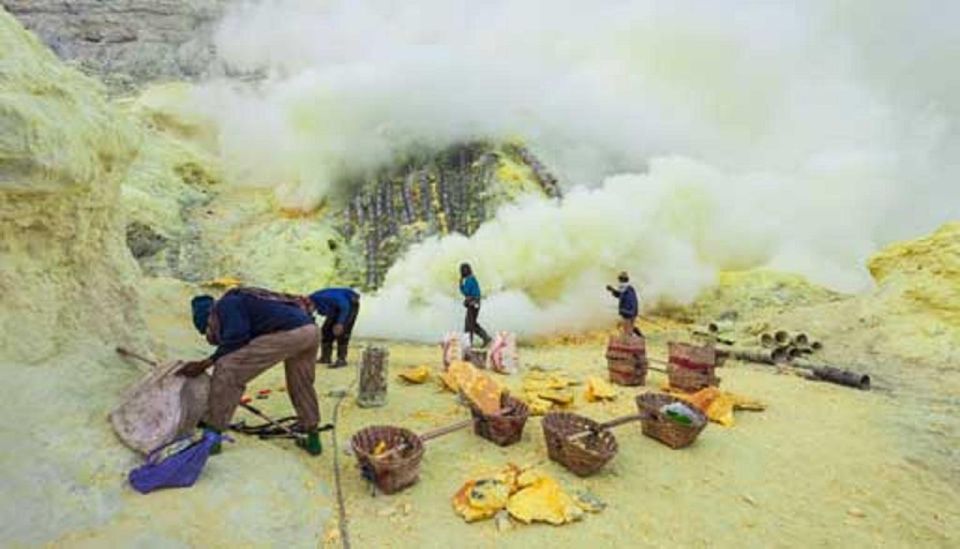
(699, 136)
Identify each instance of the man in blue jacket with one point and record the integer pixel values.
(340, 306)
(628, 306)
(254, 329)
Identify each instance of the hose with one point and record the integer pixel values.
(341, 506)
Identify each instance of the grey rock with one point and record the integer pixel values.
(127, 43)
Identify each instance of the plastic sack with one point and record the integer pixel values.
(160, 408)
(503, 353)
(455, 345)
(178, 469)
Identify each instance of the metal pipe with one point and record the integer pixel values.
(835, 375)
(782, 337)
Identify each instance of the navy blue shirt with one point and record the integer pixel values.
(244, 317)
(334, 301)
(628, 306)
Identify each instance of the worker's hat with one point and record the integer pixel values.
(623, 275)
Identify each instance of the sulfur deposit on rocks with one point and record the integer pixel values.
(65, 272)
(925, 273)
(68, 295)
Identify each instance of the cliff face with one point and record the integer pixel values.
(126, 42)
(452, 191)
(65, 273)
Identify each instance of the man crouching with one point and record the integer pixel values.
(254, 329)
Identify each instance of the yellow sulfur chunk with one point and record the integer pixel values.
(415, 374)
(542, 500)
(223, 282)
(598, 389)
(558, 396)
(483, 498)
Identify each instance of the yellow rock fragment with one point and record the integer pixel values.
(482, 389)
(483, 498)
(598, 389)
(542, 500)
(719, 405)
(223, 282)
(558, 396)
(484, 392)
(415, 374)
(538, 406)
(457, 375)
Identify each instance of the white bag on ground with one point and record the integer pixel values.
(160, 407)
(503, 353)
(455, 345)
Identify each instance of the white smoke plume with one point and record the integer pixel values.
(794, 135)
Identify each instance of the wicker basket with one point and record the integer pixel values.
(691, 367)
(584, 456)
(477, 357)
(393, 473)
(627, 360)
(627, 372)
(657, 425)
(504, 427)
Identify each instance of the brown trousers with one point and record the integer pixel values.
(297, 349)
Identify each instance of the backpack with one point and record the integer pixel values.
(213, 325)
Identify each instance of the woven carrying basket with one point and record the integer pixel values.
(584, 456)
(477, 357)
(627, 360)
(395, 472)
(504, 427)
(691, 367)
(627, 372)
(658, 426)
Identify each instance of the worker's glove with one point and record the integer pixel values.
(338, 330)
(610, 288)
(193, 368)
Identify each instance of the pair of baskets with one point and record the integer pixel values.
(584, 446)
(399, 466)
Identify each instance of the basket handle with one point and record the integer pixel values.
(607, 425)
(440, 431)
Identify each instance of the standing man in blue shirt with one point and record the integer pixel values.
(470, 289)
(628, 306)
(254, 329)
(340, 306)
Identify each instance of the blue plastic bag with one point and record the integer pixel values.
(178, 470)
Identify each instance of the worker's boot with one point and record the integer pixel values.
(311, 443)
(341, 356)
(326, 350)
(217, 446)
